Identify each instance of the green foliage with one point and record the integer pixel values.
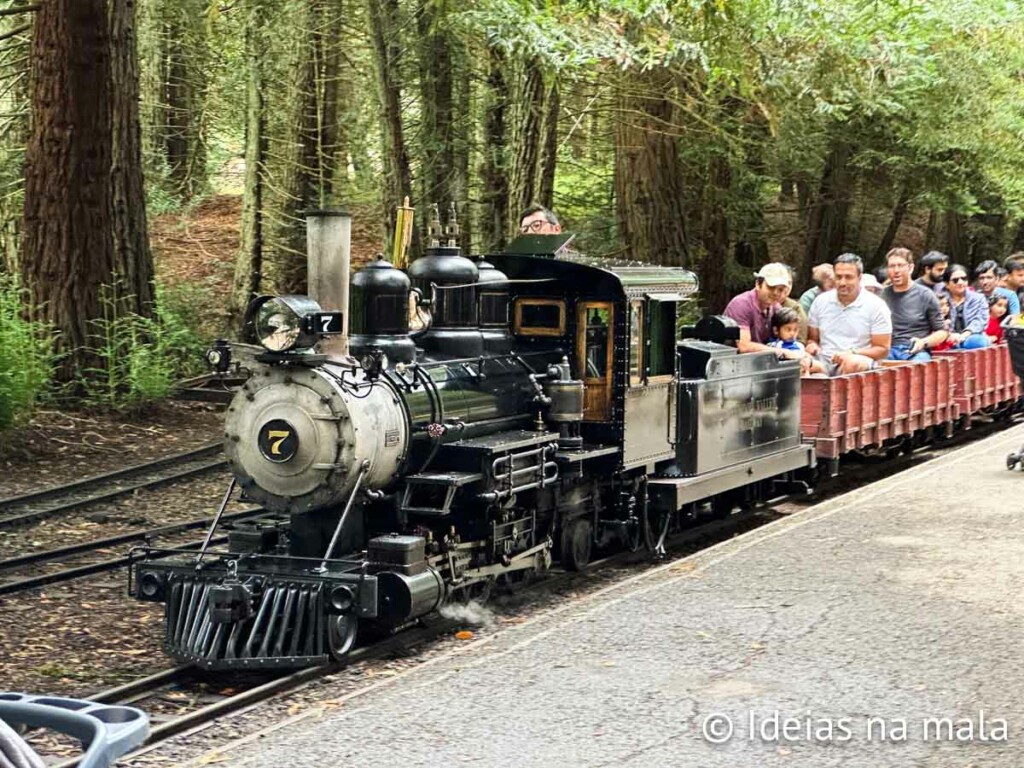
(139, 358)
(26, 356)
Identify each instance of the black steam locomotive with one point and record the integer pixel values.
(540, 406)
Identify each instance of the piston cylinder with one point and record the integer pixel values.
(404, 597)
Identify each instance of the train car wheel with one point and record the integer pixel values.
(341, 634)
(723, 504)
(576, 545)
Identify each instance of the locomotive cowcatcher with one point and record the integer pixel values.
(475, 420)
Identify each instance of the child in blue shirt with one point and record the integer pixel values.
(785, 324)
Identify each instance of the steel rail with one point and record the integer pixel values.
(127, 692)
(11, 587)
(121, 538)
(97, 481)
(105, 476)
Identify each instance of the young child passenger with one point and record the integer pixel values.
(785, 330)
(997, 307)
(947, 323)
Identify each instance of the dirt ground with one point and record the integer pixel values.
(56, 447)
(199, 245)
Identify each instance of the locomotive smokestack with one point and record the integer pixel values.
(329, 257)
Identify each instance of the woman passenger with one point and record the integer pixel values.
(968, 311)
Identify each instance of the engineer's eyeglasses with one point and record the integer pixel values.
(533, 226)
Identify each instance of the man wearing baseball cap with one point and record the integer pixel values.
(752, 310)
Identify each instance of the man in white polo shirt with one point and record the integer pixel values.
(850, 329)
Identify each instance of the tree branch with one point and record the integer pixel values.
(19, 9)
(15, 32)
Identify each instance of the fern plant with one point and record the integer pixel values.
(26, 355)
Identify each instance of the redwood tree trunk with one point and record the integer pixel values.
(249, 261)
(462, 140)
(436, 94)
(715, 235)
(387, 51)
(649, 191)
(898, 212)
(495, 216)
(179, 110)
(827, 216)
(526, 140)
(956, 243)
(68, 250)
(549, 149)
(133, 258)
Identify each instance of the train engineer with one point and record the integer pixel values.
(538, 220)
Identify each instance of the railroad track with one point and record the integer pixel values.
(35, 561)
(29, 507)
(163, 693)
(167, 686)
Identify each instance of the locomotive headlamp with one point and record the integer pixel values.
(151, 586)
(374, 362)
(290, 323)
(218, 356)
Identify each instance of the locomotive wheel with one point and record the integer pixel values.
(341, 634)
(477, 592)
(576, 545)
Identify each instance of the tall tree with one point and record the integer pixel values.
(525, 145)
(493, 169)
(548, 159)
(830, 208)
(649, 192)
(312, 142)
(69, 246)
(133, 258)
(249, 260)
(178, 51)
(714, 234)
(437, 145)
(462, 140)
(387, 48)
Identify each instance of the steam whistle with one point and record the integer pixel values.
(434, 227)
(404, 214)
(451, 230)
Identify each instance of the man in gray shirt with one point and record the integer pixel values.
(917, 323)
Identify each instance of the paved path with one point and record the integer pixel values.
(899, 602)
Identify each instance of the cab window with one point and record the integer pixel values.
(540, 317)
(636, 342)
(661, 338)
(598, 320)
(494, 310)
